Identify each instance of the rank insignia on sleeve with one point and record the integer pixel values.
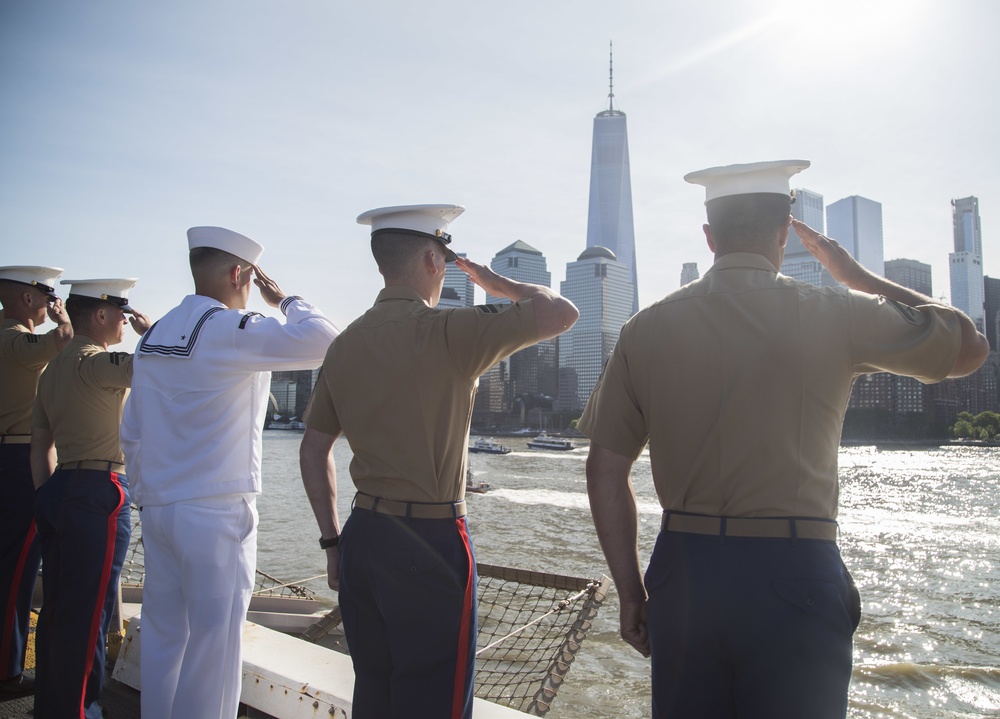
(32, 339)
(246, 318)
(488, 309)
(116, 358)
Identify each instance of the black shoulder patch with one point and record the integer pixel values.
(488, 309)
(32, 339)
(246, 318)
(116, 358)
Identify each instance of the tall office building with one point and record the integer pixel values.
(910, 273)
(601, 288)
(856, 223)
(966, 262)
(521, 262)
(526, 381)
(609, 219)
(458, 288)
(798, 262)
(991, 290)
(689, 273)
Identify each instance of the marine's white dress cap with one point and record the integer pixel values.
(428, 220)
(44, 278)
(767, 177)
(226, 240)
(113, 290)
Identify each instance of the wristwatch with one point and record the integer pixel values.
(328, 543)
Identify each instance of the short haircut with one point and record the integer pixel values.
(747, 221)
(80, 308)
(395, 253)
(209, 260)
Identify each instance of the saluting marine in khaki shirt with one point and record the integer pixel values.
(80, 399)
(418, 362)
(23, 356)
(678, 378)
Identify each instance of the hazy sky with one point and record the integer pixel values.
(123, 123)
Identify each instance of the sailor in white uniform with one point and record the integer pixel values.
(191, 433)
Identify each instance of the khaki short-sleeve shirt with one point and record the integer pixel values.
(740, 381)
(400, 382)
(23, 356)
(80, 399)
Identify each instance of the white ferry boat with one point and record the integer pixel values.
(544, 441)
(485, 445)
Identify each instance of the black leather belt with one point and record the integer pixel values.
(776, 527)
(93, 464)
(414, 510)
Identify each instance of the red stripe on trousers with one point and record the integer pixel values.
(102, 588)
(15, 586)
(458, 699)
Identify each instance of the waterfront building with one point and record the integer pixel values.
(290, 392)
(913, 274)
(601, 288)
(458, 288)
(905, 399)
(524, 385)
(609, 217)
(856, 223)
(991, 292)
(966, 262)
(689, 273)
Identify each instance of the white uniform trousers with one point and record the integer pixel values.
(200, 562)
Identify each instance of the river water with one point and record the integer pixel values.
(919, 533)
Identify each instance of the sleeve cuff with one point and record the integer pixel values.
(287, 301)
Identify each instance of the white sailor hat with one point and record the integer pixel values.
(114, 291)
(422, 220)
(43, 278)
(755, 177)
(226, 240)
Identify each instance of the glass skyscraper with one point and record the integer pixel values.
(856, 223)
(966, 262)
(601, 288)
(609, 219)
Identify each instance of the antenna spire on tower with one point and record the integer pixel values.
(611, 76)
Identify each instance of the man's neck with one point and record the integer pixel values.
(426, 293)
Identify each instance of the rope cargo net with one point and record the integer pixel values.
(531, 626)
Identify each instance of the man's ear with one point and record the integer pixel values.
(708, 237)
(783, 239)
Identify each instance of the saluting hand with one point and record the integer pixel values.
(484, 277)
(269, 289)
(140, 322)
(844, 268)
(57, 312)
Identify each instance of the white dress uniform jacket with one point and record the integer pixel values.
(200, 390)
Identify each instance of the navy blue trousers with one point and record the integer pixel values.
(83, 520)
(20, 555)
(749, 627)
(408, 598)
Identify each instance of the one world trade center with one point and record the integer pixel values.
(609, 220)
